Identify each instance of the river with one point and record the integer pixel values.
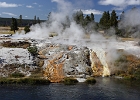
(104, 89)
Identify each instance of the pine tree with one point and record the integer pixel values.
(20, 20)
(14, 25)
(113, 20)
(34, 19)
(49, 15)
(92, 17)
(78, 17)
(38, 20)
(108, 20)
(26, 29)
(104, 20)
(122, 16)
(87, 20)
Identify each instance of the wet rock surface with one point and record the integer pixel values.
(65, 61)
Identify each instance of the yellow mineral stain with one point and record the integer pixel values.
(96, 65)
(54, 69)
(98, 59)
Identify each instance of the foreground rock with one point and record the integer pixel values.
(65, 61)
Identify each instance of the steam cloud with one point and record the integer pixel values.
(74, 33)
(131, 19)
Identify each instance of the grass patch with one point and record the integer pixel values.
(70, 81)
(36, 74)
(137, 74)
(6, 32)
(127, 39)
(20, 44)
(17, 75)
(30, 81)
(90, 80)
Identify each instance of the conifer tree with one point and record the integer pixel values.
(78, 17)
(87, 20)
(34, 19)
(49, 15)
(92, 17)
(26, 29)
(108, 20)
(113, 19)
(14, 25)
(122, 16)
(104, 20)
(20, 20)
(38, 20)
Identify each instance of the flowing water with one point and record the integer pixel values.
(104, 89)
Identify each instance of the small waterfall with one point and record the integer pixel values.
(101, 55)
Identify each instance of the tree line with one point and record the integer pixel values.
(15, 23)
(108, 20)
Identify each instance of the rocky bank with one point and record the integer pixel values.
(54, 61)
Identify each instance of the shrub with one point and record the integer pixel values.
(137, 74)
(70, 81)
(17, 75)
(27, 29)
(119, 72)
(90, 80)
(129, 77)
(32, 50)
(35, 81)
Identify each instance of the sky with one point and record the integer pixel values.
(41, 8)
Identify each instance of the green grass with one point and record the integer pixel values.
(70, 81)
(17, 75)
(30, 81)
(137, 74)
(90, 80)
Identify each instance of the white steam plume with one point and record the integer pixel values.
(74, 33)
(130, 22)
(131, 18)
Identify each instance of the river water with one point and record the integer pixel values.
(104, 89)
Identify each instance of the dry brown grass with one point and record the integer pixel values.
(127, 39)
(7, 30)
(15, 44)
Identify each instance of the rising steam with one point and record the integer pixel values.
(74, 33)
(131, 22)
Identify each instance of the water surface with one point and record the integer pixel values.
(104, 89)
